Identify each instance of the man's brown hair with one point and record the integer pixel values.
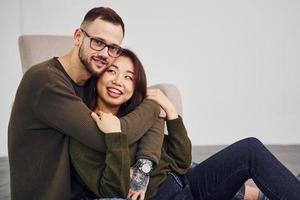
(104, 13)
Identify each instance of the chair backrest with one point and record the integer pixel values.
(37, 48)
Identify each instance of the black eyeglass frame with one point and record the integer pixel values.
(110, 47)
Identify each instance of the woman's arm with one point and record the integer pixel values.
(166, 105)
(178, 144)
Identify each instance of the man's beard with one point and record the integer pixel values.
(88, 65)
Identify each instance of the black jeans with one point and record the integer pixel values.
(223, 174)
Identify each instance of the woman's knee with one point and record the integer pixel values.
(249, 145)
(253, 141)
(253, 144)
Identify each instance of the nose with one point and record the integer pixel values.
(103, 52)
(117, 80)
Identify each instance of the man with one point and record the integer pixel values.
(49, 108)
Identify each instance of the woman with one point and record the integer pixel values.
(120, 89)
(219, 177)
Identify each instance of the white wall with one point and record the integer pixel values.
(10, 63)
(235, 62)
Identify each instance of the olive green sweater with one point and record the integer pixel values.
(108, 174)
(47, 111)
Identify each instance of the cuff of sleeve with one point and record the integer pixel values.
(174, 125)
(116, 140)
(154, 162)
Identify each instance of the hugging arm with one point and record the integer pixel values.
(149, 151)
(57, 105)
(151, 143)
(105, 174)
(138, 122)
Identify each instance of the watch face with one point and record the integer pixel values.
(146, 168)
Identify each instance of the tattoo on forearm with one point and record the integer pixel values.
(139, 175)
(138, 180)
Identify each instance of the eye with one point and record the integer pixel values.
(111, 71)
(129, 78)
(114, 48)
(98, 42)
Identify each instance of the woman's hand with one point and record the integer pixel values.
(158, 96)
(107, 122)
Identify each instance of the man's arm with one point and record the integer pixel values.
(151, 143)
(57, 105)
(136, 123)
(105, 174)
(149, 152)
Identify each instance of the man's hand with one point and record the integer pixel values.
(107, 122)
(138, 184)
(139, 180)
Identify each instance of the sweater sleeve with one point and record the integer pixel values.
(178, 144)
(105, 174)
(57, 105)
(150, 144)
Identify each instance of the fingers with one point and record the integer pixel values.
(101, 114)
(151, 92)
(135, 196)
(132, 195)
(162, 113)
(129, 194)
(142, 195)
(155, 94)
(95, 117)
(151, 98)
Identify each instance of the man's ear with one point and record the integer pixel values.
(77, 38)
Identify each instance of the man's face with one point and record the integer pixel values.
(95, 61)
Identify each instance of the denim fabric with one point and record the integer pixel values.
(240, 194)
(174, 188)
(222, 175)
(86, 195)
(88, 198)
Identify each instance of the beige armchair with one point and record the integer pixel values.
(37, 48)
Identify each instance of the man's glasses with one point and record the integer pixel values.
(98, 44)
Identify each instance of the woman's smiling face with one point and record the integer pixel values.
(116, 85)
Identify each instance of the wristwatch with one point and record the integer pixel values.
(145, 166)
